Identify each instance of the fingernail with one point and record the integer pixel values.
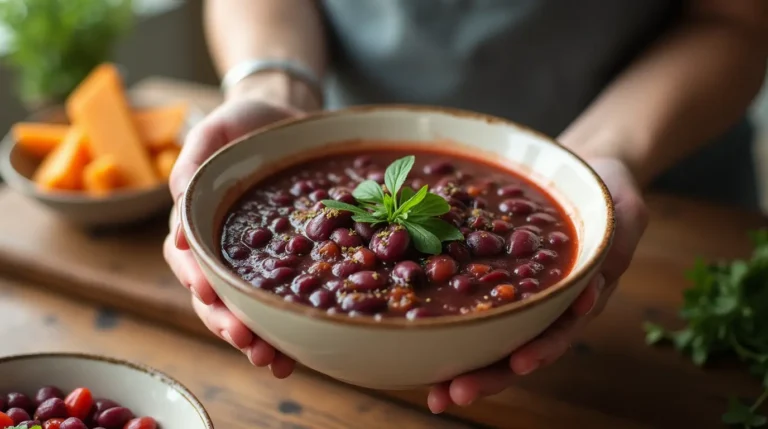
(177, 237)
(529, 368)
(228, 338)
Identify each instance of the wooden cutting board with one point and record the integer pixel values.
(610, 380)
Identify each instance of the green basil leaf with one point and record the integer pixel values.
(368, 191)
(367, 219)
(397, 172)
(412, 202)
(653, 333)
(431, 205)
(405, 194)
(440, 228)
(389, 205)
(423, 240)
(338, 205)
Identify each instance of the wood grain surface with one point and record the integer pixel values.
(609, 380)
(236, 395)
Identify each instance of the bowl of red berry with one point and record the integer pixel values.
(78, 391)
(393, 247)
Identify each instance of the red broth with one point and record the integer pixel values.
(518, 240)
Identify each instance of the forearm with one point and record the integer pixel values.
(239, 30)
(684, 91)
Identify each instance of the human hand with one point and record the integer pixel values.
(250, 108)
(631, 220)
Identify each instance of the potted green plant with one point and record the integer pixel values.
(55, 43)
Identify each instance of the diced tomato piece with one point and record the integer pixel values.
(79, 403)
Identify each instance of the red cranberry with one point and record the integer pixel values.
(346, 237)
(391, 243)
(441, 268)
(517, 206)
(522, 243)
(483, 243)
(408, 272)
(257, 237)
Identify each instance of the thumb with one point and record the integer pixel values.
(228, 122)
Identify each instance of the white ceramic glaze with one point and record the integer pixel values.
(397, 353)
(146, 391)
(118, 208)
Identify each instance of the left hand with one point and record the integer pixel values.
(631, 220)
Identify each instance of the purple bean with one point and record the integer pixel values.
(363, 303)
(18, 415)
(365, 230)
(522, 243)
(270, 264)
(462, 284)
(541, 219)
(408, 272)
(318, 195)
(114, 417)
(517, 206)
(102, 404)
(390, 244)
(510, 191)
(344, 269)
(440, 268)
(302, 187)
(282, 274)
(376, 175)
(459, 251)
(19, 400)
(238, 252)
(417, 313)
(257, 237)
(48, 392)
(440, 167)
(51, 409)
(557, 238)
(483, 243)
(365, 281)
(362, 161)
(500, 227)
(280, 224)
(545, 256)
(73, 423)
(346, 237)
(495, 276)
(321, 298)
(260, 282)
(528, 285)
(304, 284)
(298, 245)
(322, 225)
(282, 199)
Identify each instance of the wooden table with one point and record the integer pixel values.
(610, 380)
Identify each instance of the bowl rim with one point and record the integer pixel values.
(146, 369)
(195, 240)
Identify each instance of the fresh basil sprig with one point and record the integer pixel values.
(417, 211)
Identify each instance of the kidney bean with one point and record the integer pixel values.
(456, 204)
(555, 272)
(440, 167)
(114, 417)
(319, 268)
(505, 292)
(326, 251)
(303, 284)
(417, 313)
(321, 226)
(458, 251)
(79, 403)
(391, 243)
(365, 281)
(377, 176)
(282, 199)
(544, 256)
(478, 270)
(465, 231)
(318, 195)
(441, 268)
(453, 217)
(260, 282)
(522, 243)
(541, 219)
(257, 237)
(362, 161)
(53, 423)
(298, 245)
(483, 243)
(301, 187)
(408, 272)
(462, 196)
(517, 206)
(281, 274)
(557, 238)
(280, 224)
(363, 303)
(495, 276)
(45, 393)
(270, 264)
(479, 203)
(462, 284)
(479, 223)
(19, 400)
(346, 237)
(238, 252)
(321, 298)
(365, 230)
(510, 191)
(401, 299)
(105, 404)
(334, 285)
(346, 268)
(318, 206)
(73, 423)
(526, 270)
(366, 258)
(50, 409)
(18, 415)
(528, 285)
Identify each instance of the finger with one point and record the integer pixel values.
(260, 353)
(467, 388)
(587, 299)
(174, 225)
(282, 366)
(219, 320)
(186, 269)
(439, 398)
(548, 347)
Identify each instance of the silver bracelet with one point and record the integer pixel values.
(292, 68)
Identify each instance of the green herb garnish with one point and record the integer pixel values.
(23, 426)
(726, 312)
(417, 211)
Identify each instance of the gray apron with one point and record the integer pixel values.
(537, 62)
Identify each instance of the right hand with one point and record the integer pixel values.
(253, 105)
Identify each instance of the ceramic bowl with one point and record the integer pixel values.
(146, 391)
(396, 353)
(118, 208)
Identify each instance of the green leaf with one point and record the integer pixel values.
(397, 172)
(423, 240)
(412, 202)
(441, 229)
(653, 333)
(369, 191)
(740, 414)
(682, 339)
(389, 205)
(338, 205)
(432, 205)
(368, 219)
(405, 194)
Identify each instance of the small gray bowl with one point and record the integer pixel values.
(121, 207)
